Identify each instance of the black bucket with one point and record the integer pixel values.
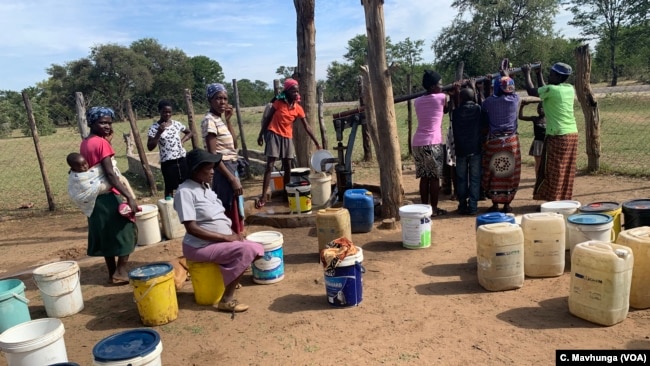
(636, 213)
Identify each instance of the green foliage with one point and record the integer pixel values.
(205, 71)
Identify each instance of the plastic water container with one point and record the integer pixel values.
(60, 287)
(332, 223)
(344, 283)
(543, 244)
(270, 268)
(13, 304)
(586, 227)
(321, 188)
(612, 209)
(416, 226)
(171, 224)
(154, 293)
(36, 342)
(148, 225)
(207, 282)
(299, 195)
(638, 240)
(493, 218)
(601, 275)
(564, 207)
(136, 347)
(500, 256)
(636, 213)
(361, 205)
(277, 182)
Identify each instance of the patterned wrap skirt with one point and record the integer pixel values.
(501, 168)
(429, 161)
(557, 168)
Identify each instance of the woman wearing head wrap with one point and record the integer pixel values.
(219, 138)
(502, 156)
(557, 169)
(165, 133)
(110, 234)
(277, 132)
(428, 151)
(209, 237)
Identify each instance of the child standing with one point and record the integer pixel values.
(539, 130)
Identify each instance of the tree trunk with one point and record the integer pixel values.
(306, 36)
(365, 132)
(589, 107)
(390, 168)
(369, 111)
(612, 61)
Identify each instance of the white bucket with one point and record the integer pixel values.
(148, 225)
(588, 227)
(136, 347)
(416, 225)
(270, 268)
(566, 208)
(321, 188)
(60, 288)
(36, 342)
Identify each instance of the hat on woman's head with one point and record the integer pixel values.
(196, 157)
(290, 83)
(213, 89)
(430, 78)
(507, 85)
(95, 113)
(562, 68)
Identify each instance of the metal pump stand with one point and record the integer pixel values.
(350, 119)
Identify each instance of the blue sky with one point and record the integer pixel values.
(249, 38)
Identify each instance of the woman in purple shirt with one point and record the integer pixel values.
(428, 151)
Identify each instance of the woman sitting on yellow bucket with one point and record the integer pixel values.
(209, 237)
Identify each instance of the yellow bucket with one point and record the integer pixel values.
(612, 209)
(207, 282)
(154, 293)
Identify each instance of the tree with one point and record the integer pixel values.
(408, 54)
(607, 19)
(286, 71)
(205, 71)
(252, 93)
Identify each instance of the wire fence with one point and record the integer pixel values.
(624, 116)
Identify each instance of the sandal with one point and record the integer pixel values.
(238, 286)
(259, 203)
(232, 306)
(440, 212)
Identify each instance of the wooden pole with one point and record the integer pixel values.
(244, 149)
(321, 118)
(196, 136)
(365, 132)
(80, 107)
(409, 115)
(589, 106)
(141, 153)
(39, 154)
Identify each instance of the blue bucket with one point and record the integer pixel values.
(13, 304)
(344, 283)
(137, 346)
(493, 218)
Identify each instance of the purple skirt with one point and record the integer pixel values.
(232, 257)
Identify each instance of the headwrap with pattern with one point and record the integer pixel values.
(95, 113)
(213, 89)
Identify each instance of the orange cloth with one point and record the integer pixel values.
(335, 251)
(284, 117)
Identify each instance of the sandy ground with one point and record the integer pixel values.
(419, 307)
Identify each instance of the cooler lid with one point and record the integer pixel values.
(149, 271)
(642, 204)
(590, 219)
(600, 207)
(299, 172)
(126, 345)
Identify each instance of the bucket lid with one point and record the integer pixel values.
(350, 260)
(299, 172)
(416, 209)
(10, 287)
(590, 219)
(264, 237)
(600, 207)
(641, 204)
(317, 157)
(150, 271)
(126, 345)
(559, 205)
(145, 209)
(56, 270)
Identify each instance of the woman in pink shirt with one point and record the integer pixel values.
(428, 151)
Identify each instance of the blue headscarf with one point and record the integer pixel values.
(213, 89)
(95, 113)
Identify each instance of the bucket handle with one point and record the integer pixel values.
(63, 294)
(137, 300)
(21, 298)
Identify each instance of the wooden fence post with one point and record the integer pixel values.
(241, 127)
(141, 153)
(409, 114)
(196, 136)
(39, 154)
(589, 106)
(80, 107)
(321, 118)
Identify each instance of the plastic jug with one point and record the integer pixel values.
(544, 235)
(500, 256)
(172, 227)
(638, 240)
(332, 223)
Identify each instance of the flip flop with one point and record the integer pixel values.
(119, 281)
(440, 212)
(259, 203)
